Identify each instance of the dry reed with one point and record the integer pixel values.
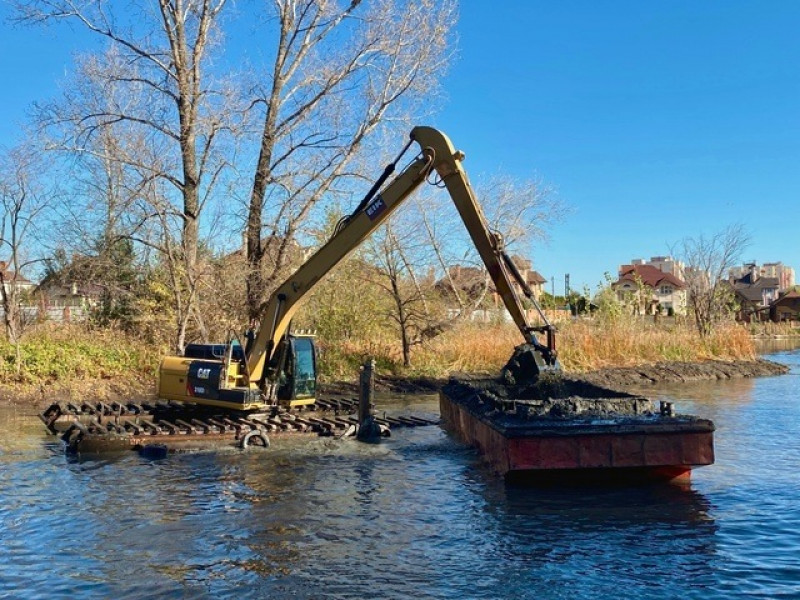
(584, 345)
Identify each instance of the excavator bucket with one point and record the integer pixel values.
(528, 363)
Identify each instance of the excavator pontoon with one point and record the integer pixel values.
(243, 390)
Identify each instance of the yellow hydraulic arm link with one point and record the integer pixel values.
(437, 156)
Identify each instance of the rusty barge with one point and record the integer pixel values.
(563, 429)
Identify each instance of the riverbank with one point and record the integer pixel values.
(87, 390)
(614, 377)
(684, 372)
(78, 364)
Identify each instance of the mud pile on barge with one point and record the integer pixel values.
(559, 427)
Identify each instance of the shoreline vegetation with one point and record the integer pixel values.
(77, 363)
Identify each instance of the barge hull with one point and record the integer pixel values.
(636, 451)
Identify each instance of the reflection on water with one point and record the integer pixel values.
(647, 537)
(417, 515)
(775, 345)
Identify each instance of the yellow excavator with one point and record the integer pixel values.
(277, 367)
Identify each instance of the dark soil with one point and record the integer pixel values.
(617, 378)
(552, 397)
(679, 372)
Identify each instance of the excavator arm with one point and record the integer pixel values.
(437, 158)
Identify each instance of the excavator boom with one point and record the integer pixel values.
(437, 155)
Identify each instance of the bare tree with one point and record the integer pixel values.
(342, 73)
(23, 197)
(98, 224)
(394, 271)
(708, 260)
(520, 211)
(431, 239)
(438, 228)
(154, 74)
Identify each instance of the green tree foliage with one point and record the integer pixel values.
(120, 283)
(609, 306)
(345, 309)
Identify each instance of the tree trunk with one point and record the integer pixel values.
(9, 313)
(255, 248)
(402, 321)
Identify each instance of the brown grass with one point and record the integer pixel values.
(769, 329)
(587, 345)
(583, 345)
(71, 358)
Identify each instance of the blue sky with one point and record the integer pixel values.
(653, 120)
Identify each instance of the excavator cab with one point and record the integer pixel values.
(297, 381)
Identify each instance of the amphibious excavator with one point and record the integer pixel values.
(525, 423)
(276, 367)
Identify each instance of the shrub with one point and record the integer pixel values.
(66, 353)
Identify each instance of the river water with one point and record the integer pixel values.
(417, 515)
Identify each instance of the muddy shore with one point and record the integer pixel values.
(683, 372)
(615, 378)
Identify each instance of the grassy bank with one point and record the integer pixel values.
(56, 363)
(73, 362)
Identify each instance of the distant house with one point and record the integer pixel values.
(13, 280)
(776, 270)
(531, 277)
(662, 290)
(67, 301)
(70, 292)
(70, 301)
(786, 307)
(474, 285)
(754, 294)
(21, 289)
(783, 273)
